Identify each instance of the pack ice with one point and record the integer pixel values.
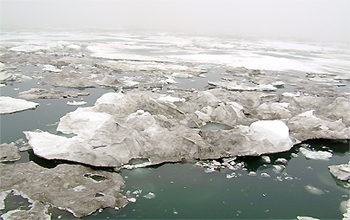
(122, 127)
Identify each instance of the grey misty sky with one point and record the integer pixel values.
(325, 20)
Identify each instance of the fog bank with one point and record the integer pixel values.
(319, 20)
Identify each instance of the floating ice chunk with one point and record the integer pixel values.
(181, 75)
(209, 170)
(341, 171)
(314, 190)
(266, 159)
(278, 168)
(51, 68)
(76, 103)
(232, 175)
(278, 83)
(282, 160)
(345, 207)
(11, 105)
(265, 175)
(306, 218)
(316, 155)
(150, 195)
(4, 76)
(128, 81)
(133, 200)
(136, 192)
(274, 133)
(252, 173)
(289, 94)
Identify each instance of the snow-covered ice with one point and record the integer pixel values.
(11, 105)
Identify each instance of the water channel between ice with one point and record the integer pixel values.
(274, 186)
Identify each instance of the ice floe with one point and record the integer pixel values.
(67, 187)
(342, 172)
(38, 93)
(11, 105)
(316, 155)
(9, 152)
(156, 125)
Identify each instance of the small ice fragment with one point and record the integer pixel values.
(79, 188)
(264, 175)
(76, 103)
(209, 170)
(252, 173)
(279, 178)
(314, 190)
(282, 160)
(316, 155)
(133, 200)
(230, 176)
(266, 159)
(306, 218)
(51, 68)
(139, 191)
(150, 195)
(278, 168)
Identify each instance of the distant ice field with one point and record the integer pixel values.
(255, 54)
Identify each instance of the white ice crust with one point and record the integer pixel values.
(11, 105)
